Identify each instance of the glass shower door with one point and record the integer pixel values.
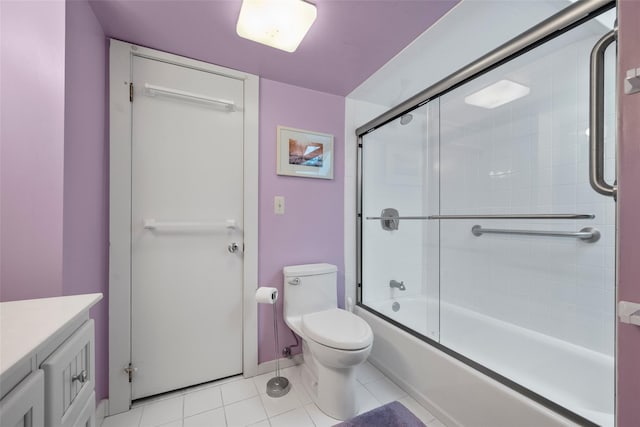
(399, 249)
(538, 308)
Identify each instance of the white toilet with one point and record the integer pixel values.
(334, 341)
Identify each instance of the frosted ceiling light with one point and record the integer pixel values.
(497, 94)
(277, 23)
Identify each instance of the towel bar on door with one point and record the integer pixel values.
(152, 224)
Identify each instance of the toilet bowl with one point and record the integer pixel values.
(335, 341)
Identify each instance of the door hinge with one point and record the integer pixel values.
(131, 92)
(129, 370)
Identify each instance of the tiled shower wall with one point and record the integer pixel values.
(530, 156)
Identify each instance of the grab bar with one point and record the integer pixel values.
(152, 224)
(587, 234)
(152, 90)
(596, 117)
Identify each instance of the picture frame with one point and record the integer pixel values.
(304, 153)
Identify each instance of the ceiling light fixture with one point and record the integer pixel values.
(497, 94)
(277, 23)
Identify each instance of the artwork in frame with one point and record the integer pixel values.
(304, 153)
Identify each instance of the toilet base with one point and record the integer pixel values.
(331, 389)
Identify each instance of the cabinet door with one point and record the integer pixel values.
(69, 374)
(24, 405)
(87, 417)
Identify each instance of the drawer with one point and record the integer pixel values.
(69, 378)
(24, 405)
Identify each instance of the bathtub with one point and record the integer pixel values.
(461, 395)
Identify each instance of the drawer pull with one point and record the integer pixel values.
(81, 377)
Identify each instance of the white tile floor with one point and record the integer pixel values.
(239, 402)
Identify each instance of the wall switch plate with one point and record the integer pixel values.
(278, 205)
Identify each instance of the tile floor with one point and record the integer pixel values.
(239, 402)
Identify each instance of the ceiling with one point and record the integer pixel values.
(349, 41)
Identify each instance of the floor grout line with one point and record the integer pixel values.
(185, 392)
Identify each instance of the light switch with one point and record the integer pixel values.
(278, 205)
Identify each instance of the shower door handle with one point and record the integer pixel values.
(596, 117)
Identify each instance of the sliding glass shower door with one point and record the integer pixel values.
(400, 257)
(481, 233)
(538, 309)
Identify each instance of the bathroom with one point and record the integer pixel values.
(55, 175)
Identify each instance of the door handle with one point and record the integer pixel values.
(233, 247)
(596, 117)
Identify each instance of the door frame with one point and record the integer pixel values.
(121, 56)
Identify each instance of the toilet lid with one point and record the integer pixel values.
(338, 329)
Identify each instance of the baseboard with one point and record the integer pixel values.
(101, 411)
(440, 414)
(270, 366)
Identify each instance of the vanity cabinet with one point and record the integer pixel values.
(47, 362)
(24, 405)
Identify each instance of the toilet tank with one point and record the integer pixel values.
(316, 288)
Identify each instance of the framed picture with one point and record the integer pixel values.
(304, 153)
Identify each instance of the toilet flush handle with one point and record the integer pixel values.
(295, 282)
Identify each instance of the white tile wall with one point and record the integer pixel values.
(529, 156)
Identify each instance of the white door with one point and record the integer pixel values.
(187, 171)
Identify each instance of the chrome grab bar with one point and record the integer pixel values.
(586, 234)
(596, 117)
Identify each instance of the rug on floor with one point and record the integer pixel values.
(393, 414)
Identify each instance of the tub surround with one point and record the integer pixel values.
(543, 364)
(440, 382)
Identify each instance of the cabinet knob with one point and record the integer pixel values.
(81, 377)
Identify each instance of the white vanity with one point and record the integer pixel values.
(47, 362)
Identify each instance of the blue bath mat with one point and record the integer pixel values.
(392, 414)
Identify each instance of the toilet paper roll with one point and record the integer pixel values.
(266, 295)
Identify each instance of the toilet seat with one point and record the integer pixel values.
(338, 329)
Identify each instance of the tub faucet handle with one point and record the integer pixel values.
(398, 285)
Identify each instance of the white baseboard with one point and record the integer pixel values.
(101, 411)
(270, 366)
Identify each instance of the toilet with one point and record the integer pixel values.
(334, 341)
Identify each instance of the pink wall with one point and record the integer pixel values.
(628, 209)
(31, 153)
(86, 217)
(311, 230)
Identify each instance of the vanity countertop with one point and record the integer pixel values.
(26, 324)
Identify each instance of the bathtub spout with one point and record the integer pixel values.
(396, 284)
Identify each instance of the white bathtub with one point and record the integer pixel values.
(574, 377)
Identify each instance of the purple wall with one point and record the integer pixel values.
(628, 208)
(32, 142)
(86, 217)
(311, 230)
